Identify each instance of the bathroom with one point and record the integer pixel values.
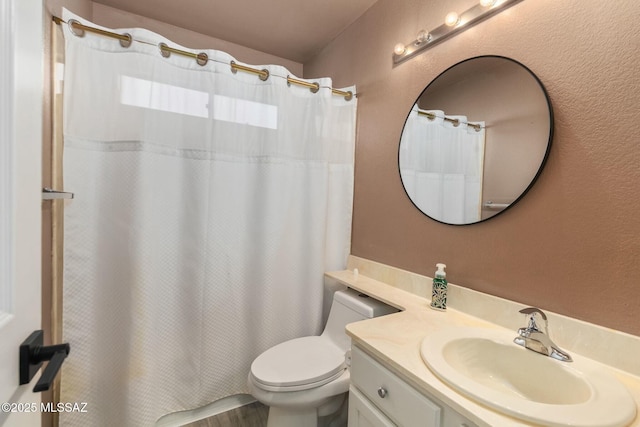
(571, 245)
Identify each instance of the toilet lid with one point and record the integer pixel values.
(297, 362)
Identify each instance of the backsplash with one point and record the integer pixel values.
(609, 346)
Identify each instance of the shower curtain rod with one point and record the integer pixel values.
(455, 122)
(201, 58)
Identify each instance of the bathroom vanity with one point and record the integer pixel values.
(392, 385)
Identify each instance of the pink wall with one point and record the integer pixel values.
(572, 245)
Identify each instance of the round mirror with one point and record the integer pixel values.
(475, 140)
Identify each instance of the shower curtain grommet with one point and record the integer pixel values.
(164, 50)
(128, 41)
(202, 59)
(78, 32)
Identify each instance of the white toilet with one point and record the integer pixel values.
(306, 379)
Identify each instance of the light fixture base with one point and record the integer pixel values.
(469, 18)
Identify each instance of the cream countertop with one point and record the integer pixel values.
(395, 341)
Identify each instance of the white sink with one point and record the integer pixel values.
(486, 366)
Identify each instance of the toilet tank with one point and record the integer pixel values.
(351, 306)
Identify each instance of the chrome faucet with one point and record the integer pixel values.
(534, 339)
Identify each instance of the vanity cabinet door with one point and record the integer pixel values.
(362, 413)
(403, 404)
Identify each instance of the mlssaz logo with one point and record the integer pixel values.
(63, 407)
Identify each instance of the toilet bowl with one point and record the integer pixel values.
(304, 381)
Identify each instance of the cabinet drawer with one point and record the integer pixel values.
(401, 402)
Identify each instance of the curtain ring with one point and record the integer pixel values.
(163, 50)
(315, 88)
(202, 59)
(127, 42)
(76, 32)
(348, 96)
(264, 76)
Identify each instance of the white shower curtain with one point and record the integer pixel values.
(442, 166)
(207, 206)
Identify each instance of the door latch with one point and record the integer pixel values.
(49, 194)
(33, 353)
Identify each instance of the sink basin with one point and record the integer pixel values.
(486, 366)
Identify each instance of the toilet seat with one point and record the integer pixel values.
(298, 364)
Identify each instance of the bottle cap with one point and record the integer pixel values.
(441, 272)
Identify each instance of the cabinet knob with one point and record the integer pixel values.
(382, 392)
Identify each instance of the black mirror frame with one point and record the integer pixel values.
(544, 159)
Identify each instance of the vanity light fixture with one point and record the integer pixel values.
(454, 23)
(423, 36)
(399, 49)
(452, 19)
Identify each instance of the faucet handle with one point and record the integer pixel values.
(534, 310)
(531, 312)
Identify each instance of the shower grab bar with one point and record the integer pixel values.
(49, 194)
(491, 205)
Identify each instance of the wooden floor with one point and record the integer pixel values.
(252, 415)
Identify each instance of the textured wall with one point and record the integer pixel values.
(572, 245)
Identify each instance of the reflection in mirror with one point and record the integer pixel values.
(475, 140)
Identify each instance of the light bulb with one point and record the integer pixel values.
(487, 3)
(451, 19)
(423, 36)
(399, 49)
